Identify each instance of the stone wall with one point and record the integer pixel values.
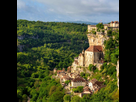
(20, 47)
(97, 39)
(76, 84)
(89, 57)
(90, 28)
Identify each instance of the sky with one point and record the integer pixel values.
(68, 10)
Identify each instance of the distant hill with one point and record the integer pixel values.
(86, 22)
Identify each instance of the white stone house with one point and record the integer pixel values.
(86, 90)
(95, 85)
(78, 81)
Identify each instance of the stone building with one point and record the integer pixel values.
(86, 90)
(78, 81)
(93, 54)
(95, 85)
(114, 24)
(91, 27)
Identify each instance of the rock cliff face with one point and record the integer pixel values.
(117, 68)
(20, 47)
(97, 39)
(26, 36)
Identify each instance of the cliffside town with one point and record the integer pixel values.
(94, 54)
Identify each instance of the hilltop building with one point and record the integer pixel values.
(114, 25)
(94, 54)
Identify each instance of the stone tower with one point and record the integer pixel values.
(93, 54)
(81, 58)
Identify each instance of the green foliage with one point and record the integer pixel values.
(75, 99)
(52, 89)
(100, 26)
(67, 98)
(103, 31)
(84, 75)
(55, 44)
(93, 31)
(92, 67)
(46, 45)
(78, 89)
(109, 32)
(66, 82)
(56, 97)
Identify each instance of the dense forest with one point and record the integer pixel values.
(49, 45)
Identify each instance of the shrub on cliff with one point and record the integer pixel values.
(100, 26)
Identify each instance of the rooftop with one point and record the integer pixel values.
(92, 25)
(92, 48)
(106, 24)
(114, 22)
(86, 88)
(93, 80)
(79, 79)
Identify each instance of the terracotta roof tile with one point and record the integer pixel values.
(58, 71)
(93, 25)
(93, 80)
(116, 22)
(97, 48)
(106, 24)
(79, 79)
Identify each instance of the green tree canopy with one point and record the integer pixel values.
(100, 26)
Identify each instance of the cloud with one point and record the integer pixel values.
(82, 7)
(68, 10)
(20, 4)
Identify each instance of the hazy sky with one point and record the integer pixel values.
(68, 10)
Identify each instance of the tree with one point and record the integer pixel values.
(56, 97)
(66, 82)
(67, 98)
(92, 67)
(78, 89)
(52, 89)
(82, 74)
(109, 32)
(75, 99)
(100, 26)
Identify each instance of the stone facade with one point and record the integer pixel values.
(91, 27)
(93, 54)
(114, 24)
(97, 39)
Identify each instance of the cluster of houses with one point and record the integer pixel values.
(92, 55)
(75, 80)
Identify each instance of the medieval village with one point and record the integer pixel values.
(94, 54)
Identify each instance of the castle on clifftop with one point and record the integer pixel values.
(94, 53)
